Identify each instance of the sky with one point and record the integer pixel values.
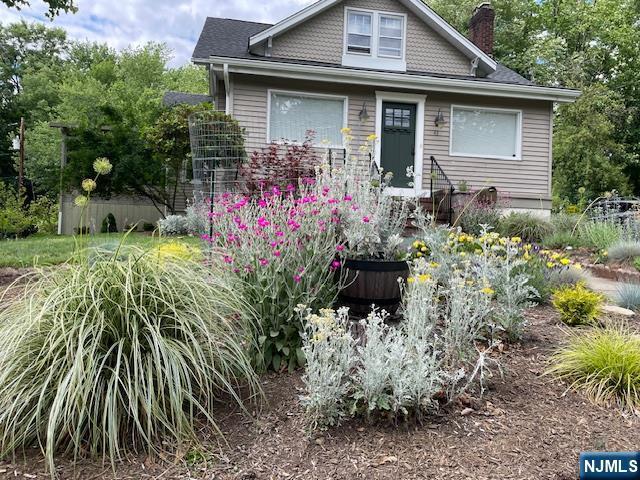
(177, 23)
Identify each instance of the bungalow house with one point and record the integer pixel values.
(439, 103)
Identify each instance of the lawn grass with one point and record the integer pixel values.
(56, 249)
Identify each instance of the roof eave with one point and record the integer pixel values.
(391, 79)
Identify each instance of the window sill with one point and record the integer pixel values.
(487, 157)
(376, 63)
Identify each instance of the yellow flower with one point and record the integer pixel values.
(102, 166)
(605, 253)
(345, 131)
(550, 264)
(419, 254)
(424, 277)
(526, 256)
(516, 239)
(423, 249)
(577, 265)
(411, 280)
(176, 251)
(88, 185)
(502, 241)
(372, 138)
(565, 261)
(434, 264)
(488, 291)
(463, 254)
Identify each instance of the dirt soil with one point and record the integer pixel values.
(526, 426)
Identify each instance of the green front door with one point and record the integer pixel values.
(397, 148)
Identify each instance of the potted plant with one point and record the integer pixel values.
(371, 224)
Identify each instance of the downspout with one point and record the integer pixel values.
(213, 84)
(228, 107)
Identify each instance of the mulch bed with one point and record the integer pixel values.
(525, 427)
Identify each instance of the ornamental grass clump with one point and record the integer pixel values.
(577, 305)
(624, 251)
(121, 354)
(604, 362)
(628, 296)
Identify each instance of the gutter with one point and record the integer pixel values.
(388, 79)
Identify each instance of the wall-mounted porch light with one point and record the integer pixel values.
(439, 121)
(363, 115)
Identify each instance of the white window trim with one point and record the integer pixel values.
(419, 101)
(372, 59)
(345, 113)
(518, 156)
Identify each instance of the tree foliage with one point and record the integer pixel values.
(55, 6)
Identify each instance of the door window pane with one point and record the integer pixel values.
(489, 133)
(291, 116)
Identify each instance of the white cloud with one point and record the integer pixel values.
(134, 22)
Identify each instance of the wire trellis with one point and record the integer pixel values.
(217, 150)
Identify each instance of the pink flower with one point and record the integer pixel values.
(297, 278)
(262, 203)
(340, 248)
(348, 198)
(290, 188)
(279, 233)
(263, 222)
(331, 201)
(264, 262)
(365, 219)
(335, 265)
(354, 207)
(277, 253)
(205, 237)
(227, 259)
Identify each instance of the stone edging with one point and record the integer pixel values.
(603, 271)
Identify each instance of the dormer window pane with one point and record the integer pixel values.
(359, 31)
(391, 33)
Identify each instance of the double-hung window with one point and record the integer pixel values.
(486, 132)
(292, 115)
(390, 36)
(359, 32)
(374, 39)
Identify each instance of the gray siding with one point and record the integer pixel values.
(526, 178)
(321, 39)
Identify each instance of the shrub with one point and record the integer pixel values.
(569, 276)
(577, 305)
(120, 354)
(538, 278)
(561, 239)
(529, 227)
(477, 213)
(564, 222)
(405, 369)
(109, 224)
(173, 225)
(624, 251)
(636, 263)
(148, 226)
(605, 363)
(284, 249)
(20, 219)
(279, 165)
(600, 235)
(628, 296)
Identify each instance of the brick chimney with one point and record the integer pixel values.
(481, 27)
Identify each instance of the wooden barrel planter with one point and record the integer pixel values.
(373, 282)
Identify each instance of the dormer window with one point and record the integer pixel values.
(374, 39)
(359, 32)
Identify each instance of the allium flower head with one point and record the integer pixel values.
(88, 185)
(81, 201)
(102, 166)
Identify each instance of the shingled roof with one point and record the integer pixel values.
(224, 37)
(171, 98)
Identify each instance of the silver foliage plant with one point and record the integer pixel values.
(429, 359)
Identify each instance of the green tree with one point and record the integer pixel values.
(55, 6)
(586, 153)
